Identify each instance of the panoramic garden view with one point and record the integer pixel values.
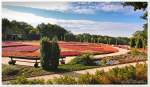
(74, 43)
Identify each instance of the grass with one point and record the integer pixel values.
(75, 67)
(29, 71)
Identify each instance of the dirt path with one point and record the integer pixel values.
(76, 73)
(120, 52)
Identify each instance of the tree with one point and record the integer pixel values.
(140, 6)
(45, 53)
(132, 42)
(5, 27)
(50, 30)
(14, 27)
(137, 5)
(55, 53)
(69, 37)
(139, 43)
(50, 53)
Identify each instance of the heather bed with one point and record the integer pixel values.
(67, 49)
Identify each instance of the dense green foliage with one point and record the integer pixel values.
(132, 42)
(54, 53)
(126, 75)
(85, 37)
(13, 30)
(45, 53)
(21, 31)
(140, 36)
(50, 53)
(137, 5)
(139, 43)
(50, 31)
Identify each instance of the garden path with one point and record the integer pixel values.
(76, 73)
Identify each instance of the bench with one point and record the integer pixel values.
(12, 62)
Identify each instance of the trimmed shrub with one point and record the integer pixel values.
(54, 53)
(50, 54)
(84, 59)
(45, 53)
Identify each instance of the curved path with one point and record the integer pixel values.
(77, 73)
(120, 52)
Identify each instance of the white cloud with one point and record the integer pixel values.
(109, 7)
(57, 6)
(80, 8)
(76, 26)
(84, 11)
(26, 17)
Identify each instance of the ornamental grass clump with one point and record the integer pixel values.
(65, 80)
(10, 70)
(87, 79)
(141, 71)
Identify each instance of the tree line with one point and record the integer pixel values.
(25, 31)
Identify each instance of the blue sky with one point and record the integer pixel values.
(102, 18)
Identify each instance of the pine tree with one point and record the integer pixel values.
(45, 53)
(50, 53)
(55, 53)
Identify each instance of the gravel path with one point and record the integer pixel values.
(120, 52)
(76, 73)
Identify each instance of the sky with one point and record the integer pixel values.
(100, 18)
